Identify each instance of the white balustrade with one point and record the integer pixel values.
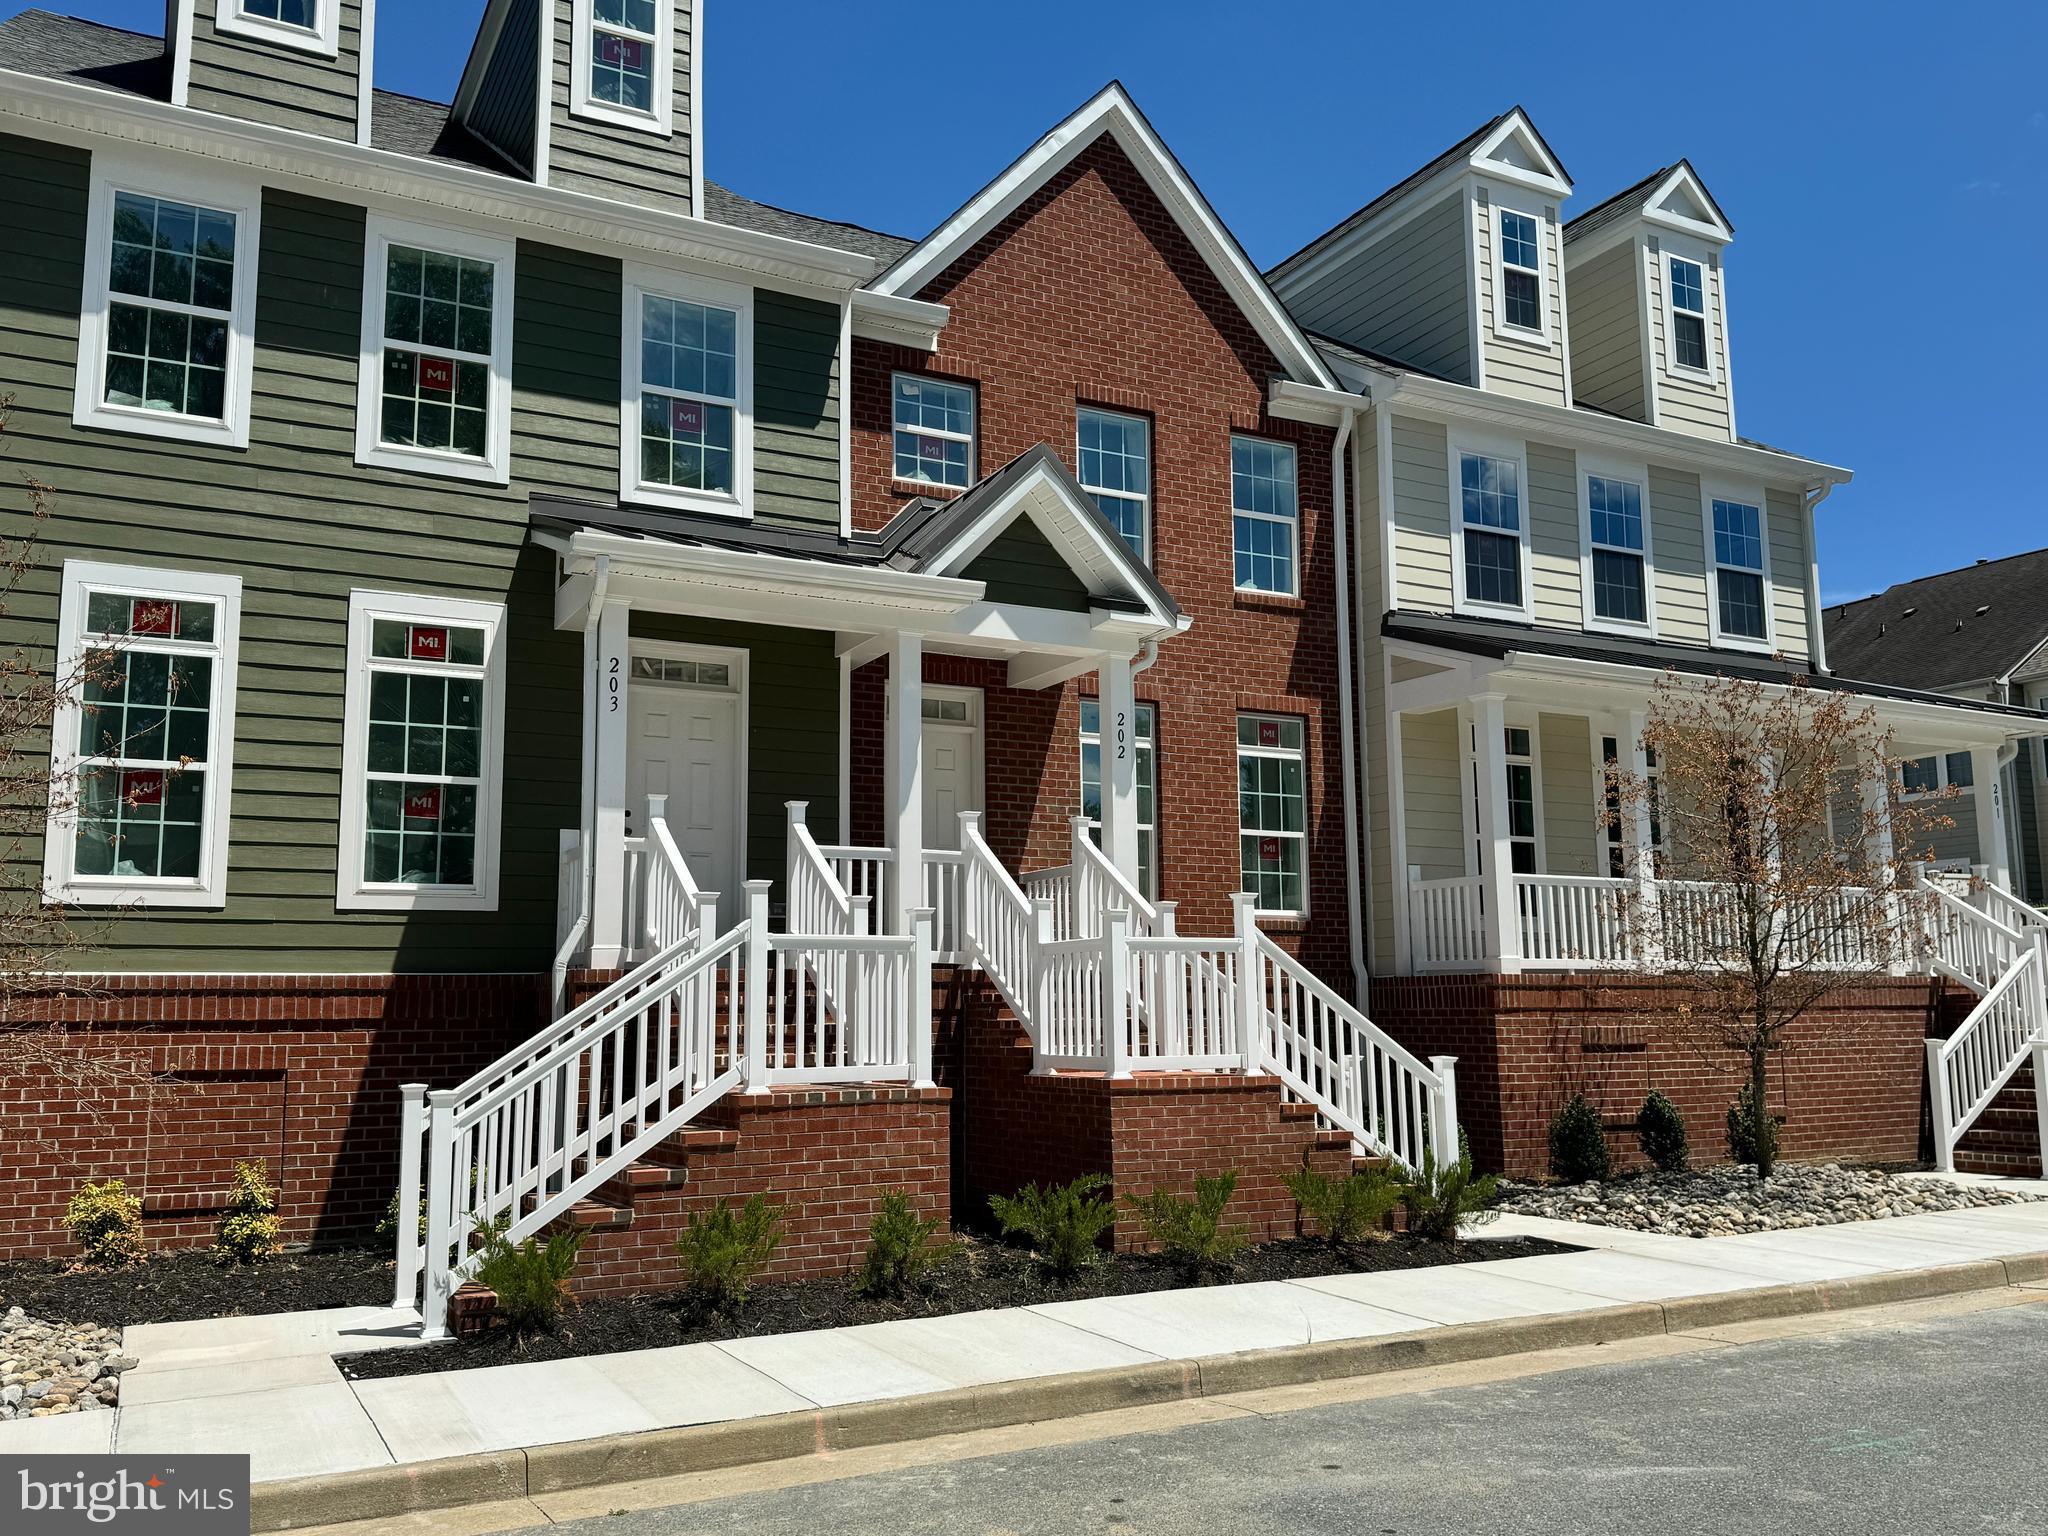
(2008, 1028)
(1055, 887)
(945, 874)
(998, 924)
(862, 871)
(1575, 920)
(1447, 924)
(1184, 1013)
(670, 903)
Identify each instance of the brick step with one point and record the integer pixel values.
(594, 1214)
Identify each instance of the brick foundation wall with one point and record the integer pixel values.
(1526, 1044)
(300, 1071)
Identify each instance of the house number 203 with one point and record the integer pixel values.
(613, 683)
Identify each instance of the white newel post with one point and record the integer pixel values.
(1445, 1131)
(2041, 1089)
(438, 1290)
(1044, 928)
(412, 1130)
(918, 1014)
(1251, 982)
(757, 1072)
(657, 815)
(1496, 853)
(903, 776)
(1116, 988)
(1119, 737)
(1991, 842)
(1077, 884)
(608, 858)
(1642, 841)
(1937, 1093)
(1880, 853)
(792, 920)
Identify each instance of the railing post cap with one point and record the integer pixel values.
(1044, 904)
(970, 818)
(753, 886)
(1443, 1063)
(443, 1098)
(796, 809)
(412, 1090)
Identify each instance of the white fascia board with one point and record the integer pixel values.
(1549, 177)
(890, 318)
(1313, 404)
(1713, 231)
(1113, 112)
(87, 113)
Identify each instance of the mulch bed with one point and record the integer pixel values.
(176, 1286)
(980, 1274)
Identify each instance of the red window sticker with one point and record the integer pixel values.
(152, 616)
(1269, 850)
(633, 54)
(612, 50)
(437, 374)
(423, 803)
(142, 786)
(1269, 733)
(687, 416)
(428, 644)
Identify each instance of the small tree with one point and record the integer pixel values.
(1790, 878)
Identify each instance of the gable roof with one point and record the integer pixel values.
(1112, 112)
(1979, 623)
(1642, 199)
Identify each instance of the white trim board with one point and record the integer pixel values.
(323, 40)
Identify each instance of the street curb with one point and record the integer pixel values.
(380, 1492)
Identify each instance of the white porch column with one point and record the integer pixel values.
(1881, 850)
(1496, 853)
(608, 857)
(1634, 758)
(1992, 846)
(1119, 765)
(903, 777)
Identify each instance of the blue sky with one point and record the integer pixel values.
(1887, 180)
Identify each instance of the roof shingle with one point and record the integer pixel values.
(1946, 630)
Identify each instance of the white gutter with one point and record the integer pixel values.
(1817, 643)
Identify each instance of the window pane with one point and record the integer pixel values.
(1618, 587)
(1961, 772)
(1492, 491)
(1518, 240)
(1920, 776)
(1688, 290)
(1742, 605)
(1616, 509)
(1115, 468)
(1493, 568)
(1689, 334)
(1522, 299)
(1738, 535)
(934, 431)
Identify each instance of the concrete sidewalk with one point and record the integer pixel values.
(268, 1386)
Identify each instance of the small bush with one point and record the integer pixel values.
(900, 1248)
(1190, 1232)
(1438, 1199)
(387, 1224)
(1578, 1143)
(1346, 1211)
(248, 1231)
(723, 1249)
(530, 1279)
(1752, 1137)
(107, 1221)
(1661, 1130)
(1065, 1223)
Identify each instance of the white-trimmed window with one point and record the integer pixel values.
(1931, 775)
(166, 337)
(934, 431)
(435, 393)
(1524, 854)
(1688, 296)
(1148, 785)
(1116, 472)
(421, 754)
(1272, 812)
(311, 26)
(622, 63)
(1617, 572)
(143, 751)
(1613, 813)
(1265, 508)
(1492, 532)
(1519, 241)
(1741, 605)
(688, 415)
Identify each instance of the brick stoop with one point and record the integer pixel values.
(2007, 1137)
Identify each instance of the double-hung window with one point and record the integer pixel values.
(1932, 775)
(934, 432)
(1521, 271)
(1741, 597)
(435, 392)
(310, 26)
(144, 739)
(1265, 516)
(1520, 751)
(1116, 472)
(1688, 315)
(1148, 784)
(621, 63)
(1617, 549)
(1272, 812)
(165, 342)
(688, 419)
(1490, 524)
(422, 750)
(1619, 835)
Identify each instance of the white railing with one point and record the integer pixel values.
(1056, 888)
(2010, 910)
(945, 873)
(2007, 1028)
(862, 871)
(572, 919)
(999, 926)
(1078, 987)
(1965, 944)
(815, 899)
(1186, 1010)
(1446, 924)
(873, 1025)
(669, 904)
(1098, 887)
(1576, 920)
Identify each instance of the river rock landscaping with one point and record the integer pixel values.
(1714, 1202)
(52, 1368)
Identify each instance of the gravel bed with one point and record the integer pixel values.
(1713, 1202)
(52, 1368)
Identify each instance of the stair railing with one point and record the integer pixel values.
(2006, 1029)
(1967, 944)
(670, 902)
(999, 924)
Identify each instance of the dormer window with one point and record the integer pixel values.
(310, 26)
(1521, 262)
(623, 62)
(1688, 315)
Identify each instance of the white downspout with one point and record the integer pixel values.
(1354, 895)
(1818, 644)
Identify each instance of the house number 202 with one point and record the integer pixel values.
(1123, 735)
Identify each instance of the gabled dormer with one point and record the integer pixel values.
(1457, 271)
(596, 96)
(1649, 310)
(300, 64)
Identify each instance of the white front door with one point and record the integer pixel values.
(685, 740)
(952, 762)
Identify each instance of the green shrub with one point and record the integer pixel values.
(249, 1231)
(529, 1279)
(900, 1248)
(1661, 1130)
(1347, 1211)
(387, 1224)
(723, 1249)
(1438, 1199)
(1065, 1223)
(1578, 1143)
(107, 1221)
(1752, 1137)
(1190, 1232)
